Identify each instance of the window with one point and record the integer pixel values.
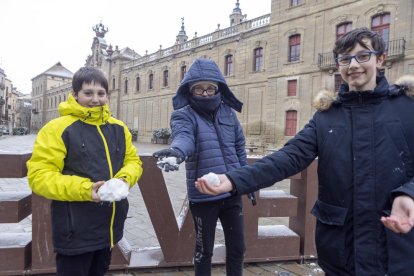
(228, 63)
(338, 82)
(342, 29)
(291, 119)
(151, 81)
(296, 2)
(137, 84)
(126, 87)
(258, 59)
(294, 48)
(381, 25)
(113, 83)
(165, 78)
(292, 84)
(183, 71)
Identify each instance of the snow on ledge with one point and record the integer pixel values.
(275, 231)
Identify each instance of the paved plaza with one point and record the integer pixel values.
(139, 231)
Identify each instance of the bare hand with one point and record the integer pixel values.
(94, 192)
(401, 219)
(224, 186)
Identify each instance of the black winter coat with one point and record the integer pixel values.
(365, 145)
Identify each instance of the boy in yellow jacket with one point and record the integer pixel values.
(72, 158)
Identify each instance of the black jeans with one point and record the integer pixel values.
(95, 263)
(205, 215)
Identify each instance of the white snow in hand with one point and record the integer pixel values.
(167, 160)
(212, 179)
(113, 190)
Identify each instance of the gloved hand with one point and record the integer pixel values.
(252, 197)
(168, 159)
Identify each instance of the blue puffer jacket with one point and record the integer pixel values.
(209, 143)
(365, 145)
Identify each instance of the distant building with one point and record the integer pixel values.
(275, 64)
(3, 106)
(48, 90)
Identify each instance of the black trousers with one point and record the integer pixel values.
(205, 216)
(95, 263)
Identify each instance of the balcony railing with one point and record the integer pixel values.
(326, 61)
(217, 35)
(395, 49)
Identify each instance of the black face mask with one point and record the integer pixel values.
(206, 104)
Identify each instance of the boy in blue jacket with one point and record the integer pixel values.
(207, 134)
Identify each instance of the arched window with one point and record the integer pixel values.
(165, 78)
(342, 29)
(183, 71)
(137, 84)
(151, 81)
(290, 125)
(294, 48)
(113, 83)
(126, 87)
(228, 63)
(258, 59)
(381, 24)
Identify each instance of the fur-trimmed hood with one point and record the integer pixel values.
(324, 99)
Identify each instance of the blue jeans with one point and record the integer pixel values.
(205, 216)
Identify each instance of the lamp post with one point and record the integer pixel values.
(2, 102)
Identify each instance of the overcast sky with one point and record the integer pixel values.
(36, 34)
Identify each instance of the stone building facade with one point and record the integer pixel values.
(48, 90)
(275, 64)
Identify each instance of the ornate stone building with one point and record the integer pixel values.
(275, 63)
(48, 90)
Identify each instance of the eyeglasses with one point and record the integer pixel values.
(360, 58)
(199, 91)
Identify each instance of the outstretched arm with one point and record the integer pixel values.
(401, 219)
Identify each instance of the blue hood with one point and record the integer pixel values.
(205, 70)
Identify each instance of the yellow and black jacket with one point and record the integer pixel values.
(83, 146)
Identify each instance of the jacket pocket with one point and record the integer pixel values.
(227, 128)
(330, 234)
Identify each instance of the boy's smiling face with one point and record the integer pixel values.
(91, 95)
(361, 76)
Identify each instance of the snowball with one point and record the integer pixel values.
(113, 190)
(171, 161)
(212, 179)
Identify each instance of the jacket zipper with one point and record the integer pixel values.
(108, 157)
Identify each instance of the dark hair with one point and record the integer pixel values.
(349, 41)
(88, 75)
